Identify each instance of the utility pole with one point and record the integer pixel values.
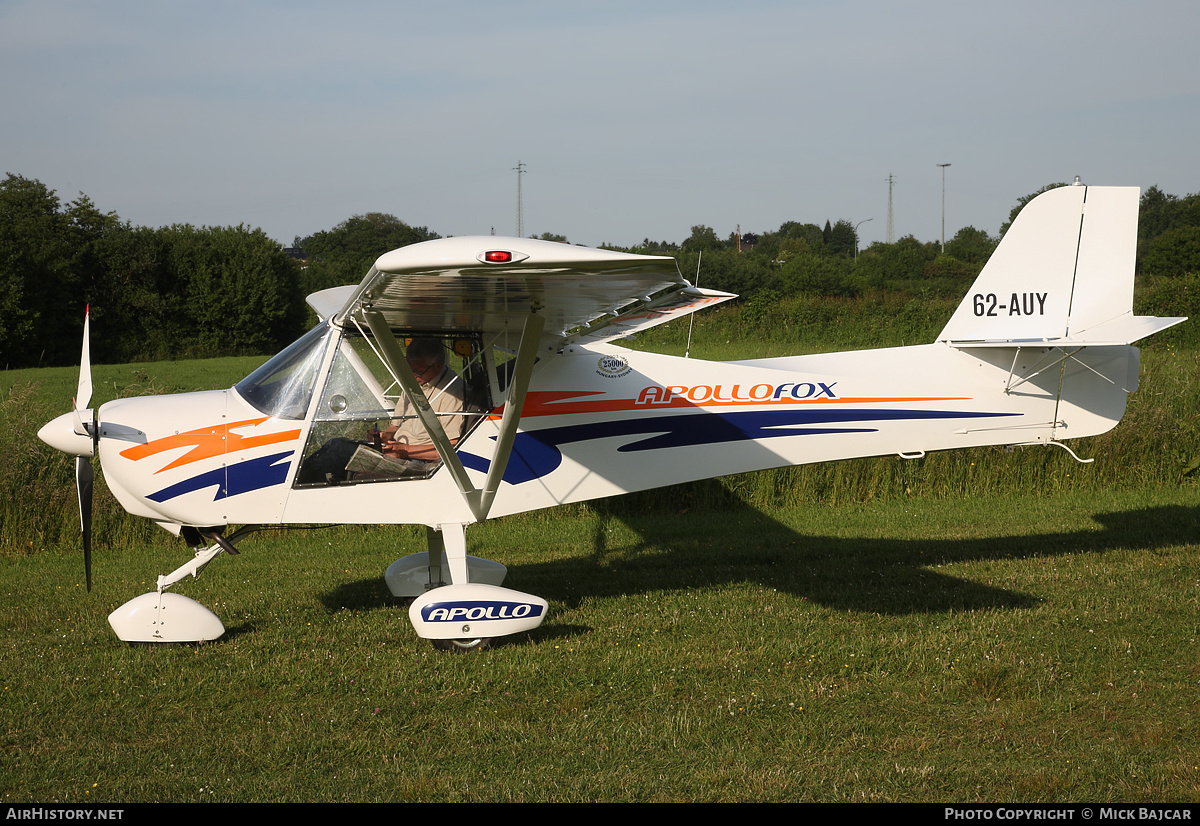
(891, 230)
(519, 169)
(943, 166)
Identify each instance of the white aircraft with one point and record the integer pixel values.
(541, 408)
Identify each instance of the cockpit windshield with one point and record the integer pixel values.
(283, 387)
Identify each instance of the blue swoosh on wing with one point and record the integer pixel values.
(242, 477)
(536, 453)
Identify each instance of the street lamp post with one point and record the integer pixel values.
(856, 226)
(943, 166)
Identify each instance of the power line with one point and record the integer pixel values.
(943, 166)
(891, 230)
(519, 169)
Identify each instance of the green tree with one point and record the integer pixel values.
(820, 275)
(811, 234)
(647, 247)
(971, 246)
(120, 325)
(842, 240)
(1157, 212)
(1173, 253)
(344, 254)
(947, 275)
(790, 248)
(727, 269)
(897, 267)
(242, 294)
(702, 239)
(138, 311)
(37, 288)
(1160, 213)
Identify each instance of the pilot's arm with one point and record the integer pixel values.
(400, 450)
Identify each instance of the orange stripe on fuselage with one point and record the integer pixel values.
(207, 442)
(567, 402)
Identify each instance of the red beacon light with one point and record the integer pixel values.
(501, 257)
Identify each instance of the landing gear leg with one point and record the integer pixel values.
(454, 541)
(436, 555)
(411, 576)
(161, 616)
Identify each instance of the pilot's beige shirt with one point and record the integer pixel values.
(446, 394)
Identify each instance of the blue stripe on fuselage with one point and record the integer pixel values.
(536, 453)
(240, 477)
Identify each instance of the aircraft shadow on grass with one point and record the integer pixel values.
(867, 575)
(885, 576)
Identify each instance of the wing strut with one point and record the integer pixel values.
(408, 382)
(531, 336)
(479, 501)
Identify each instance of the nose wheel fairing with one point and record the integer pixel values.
(164, 617)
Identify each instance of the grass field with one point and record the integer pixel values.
(1010, 649)
(980, 626)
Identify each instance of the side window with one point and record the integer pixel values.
(366, 430)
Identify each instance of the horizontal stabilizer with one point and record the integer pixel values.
(1124, 330)
(1120, 331)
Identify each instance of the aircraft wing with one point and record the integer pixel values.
(491, 284)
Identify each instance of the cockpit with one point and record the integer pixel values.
(365, 427)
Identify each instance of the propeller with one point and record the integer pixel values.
(85, 476)
(72, 436)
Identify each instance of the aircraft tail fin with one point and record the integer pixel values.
(1062, 275)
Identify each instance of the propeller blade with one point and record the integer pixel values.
(84, 477)
(83, 394)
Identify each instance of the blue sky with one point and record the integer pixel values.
(634, 119)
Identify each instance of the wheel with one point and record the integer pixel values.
(462, 646)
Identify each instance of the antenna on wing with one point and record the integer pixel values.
(687, 351)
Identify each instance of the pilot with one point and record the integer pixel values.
(405, 446)
(446, 394)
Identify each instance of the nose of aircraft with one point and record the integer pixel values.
(61, 434)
